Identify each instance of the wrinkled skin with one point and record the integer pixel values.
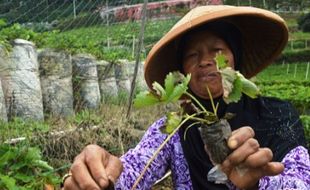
(199, 53)
(94, 166)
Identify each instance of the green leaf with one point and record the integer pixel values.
(145, 98)
(32, 154)
(169, 83)
(8, 182)
(179, 89)
(236, 93)
(221, 60)
(175, 86)
(43, 165)
(173, 121)
(5, 158)
(160, 91)
(248, 87)
(23, 177)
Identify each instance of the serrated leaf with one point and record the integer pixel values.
(145, 98)
(236, 93)
(179, 89)
(221, 60)
(160, 91)
(173, 121)
(169, 83)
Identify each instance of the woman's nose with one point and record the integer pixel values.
(206, 60)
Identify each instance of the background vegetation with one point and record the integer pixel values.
(52, 24)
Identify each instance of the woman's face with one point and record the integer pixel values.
(198, 59)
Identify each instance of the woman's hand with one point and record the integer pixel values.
(248, 162)
(94, 168)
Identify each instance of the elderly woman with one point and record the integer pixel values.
(267, 140)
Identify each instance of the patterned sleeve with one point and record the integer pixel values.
(296, 174)
(135, 160)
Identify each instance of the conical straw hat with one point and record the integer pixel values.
(265, 34)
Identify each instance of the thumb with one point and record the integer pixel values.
(114, 168)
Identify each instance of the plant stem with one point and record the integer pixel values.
(212, 102)
(159, 149)
(187, 128)
(199, 119)
(195, 99)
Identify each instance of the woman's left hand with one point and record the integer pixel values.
(248, 162)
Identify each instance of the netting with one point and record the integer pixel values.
(82, 55)
(105, 30)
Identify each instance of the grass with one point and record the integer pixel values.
(299, 35)
(285, 72)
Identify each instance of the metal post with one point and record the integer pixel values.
(133, 45)
(138, 51)
(292, 44)
(307, 72)
(107, 8)
(288, 68)
(74, 9)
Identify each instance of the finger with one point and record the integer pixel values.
(240, 154)
(114, 168)
(273, 168)
(96, 159)
(259, 158)
(240, 136)
(81, 175)
(70, 184)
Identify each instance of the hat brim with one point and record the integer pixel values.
(265, 35)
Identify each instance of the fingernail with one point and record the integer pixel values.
(111, 183)
(232, 143)
(111, 178)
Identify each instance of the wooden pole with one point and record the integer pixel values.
(295, 70)
(141, 37)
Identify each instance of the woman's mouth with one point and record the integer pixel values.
(208, 76)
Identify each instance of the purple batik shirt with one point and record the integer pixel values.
(295, 176)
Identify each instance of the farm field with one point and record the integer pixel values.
(46, 148)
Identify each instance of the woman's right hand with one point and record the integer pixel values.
(94, 168)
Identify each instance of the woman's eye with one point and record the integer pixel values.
(190, 55)
(218, 49)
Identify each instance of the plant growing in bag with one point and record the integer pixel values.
(214, 130)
